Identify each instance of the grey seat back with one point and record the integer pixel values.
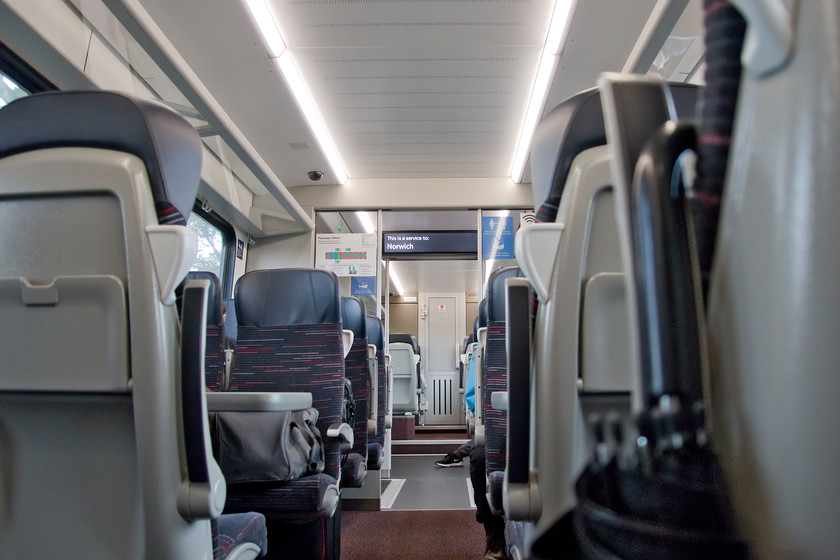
(773, 306)
(581, 347)
(405, 361)
(92, 460)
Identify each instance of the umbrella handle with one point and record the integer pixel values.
(665, 270)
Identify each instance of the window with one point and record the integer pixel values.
(17, 78)
(214, 243)
(10, 90)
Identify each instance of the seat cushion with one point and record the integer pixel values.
(353, 471)
(236, 529)
(375, 457)
(496, 481)
(515, 537)
(305, 498)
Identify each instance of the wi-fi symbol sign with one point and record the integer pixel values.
(527, 217)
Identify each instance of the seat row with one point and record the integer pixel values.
(108, 392)
(636, 332)
(287, 340)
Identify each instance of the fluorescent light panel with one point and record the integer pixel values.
(267, 26)
(395, 280)
(284, 61)
(558, 31)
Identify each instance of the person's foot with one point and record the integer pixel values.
(496, 546)
(450, 460)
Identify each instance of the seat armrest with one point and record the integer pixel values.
(373, 371)
(482, 337)
(478, 435)
(203, 491)
(520, 495)
(499, 400)
(347, 337)
(257, 402)
(344, 432)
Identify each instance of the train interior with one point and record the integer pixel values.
(438, 279)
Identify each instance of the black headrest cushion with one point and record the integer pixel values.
(407, 339)
(375, 332)
(353, 317)
(496, 292)
(287, 296)
(166, 142)
(575, 125)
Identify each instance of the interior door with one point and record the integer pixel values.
(440, 318)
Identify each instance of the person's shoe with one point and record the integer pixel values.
(496, 546)
(450, 460)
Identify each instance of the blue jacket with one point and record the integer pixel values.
(469, 392)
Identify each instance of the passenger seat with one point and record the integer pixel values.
(104, 422)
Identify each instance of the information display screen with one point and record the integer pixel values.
(429, 242)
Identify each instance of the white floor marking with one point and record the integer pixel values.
(470, 492)
(386, 501)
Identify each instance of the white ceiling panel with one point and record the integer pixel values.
(407, 88)
(346, 24)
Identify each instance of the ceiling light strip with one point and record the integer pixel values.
(395, 280)
(558, 31)
(310, 112)
(267, 26)
(278, 51)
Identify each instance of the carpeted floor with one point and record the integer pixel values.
(411, 535)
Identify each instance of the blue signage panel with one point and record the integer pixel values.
(363, 285)
(497, 237)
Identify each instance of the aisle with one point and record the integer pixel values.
(411, 535)
(423, 486)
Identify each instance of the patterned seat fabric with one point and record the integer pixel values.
(235, 529)
(495, 379)
(214, 350)
(353, 470)
(356, 369)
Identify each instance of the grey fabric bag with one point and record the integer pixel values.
(268, 446)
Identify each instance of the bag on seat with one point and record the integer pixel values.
(249, 449)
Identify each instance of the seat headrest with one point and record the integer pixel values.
(166, 142)
(496, 292)
(575, 125)
(375, 332)
(407, 339)
(466, 344)
(287, 296)
(214, 296)
(353, 316)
